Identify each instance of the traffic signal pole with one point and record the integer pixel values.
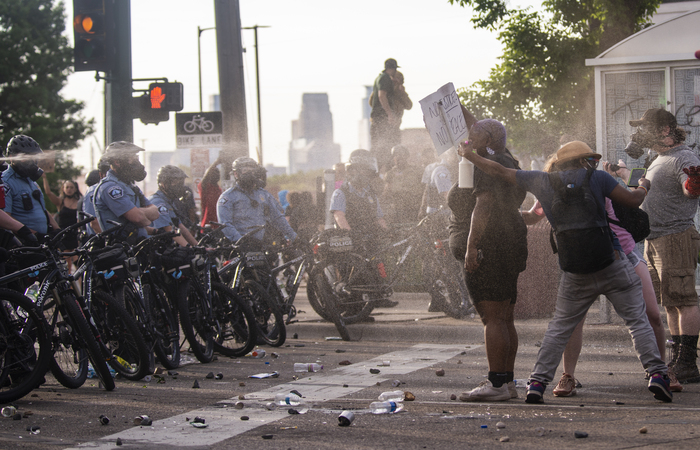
(231, 81)
(119, 110)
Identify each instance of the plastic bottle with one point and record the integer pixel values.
(288, 399)
(257, 353)
(466, 174)
(33, 291)
(310, 367)
(392, 396)
(385, 407)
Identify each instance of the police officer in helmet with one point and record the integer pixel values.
(247, 205)
(24, 200)
(171, 187)
(118, 198)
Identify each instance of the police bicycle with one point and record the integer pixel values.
(344, 285)
(74, 336)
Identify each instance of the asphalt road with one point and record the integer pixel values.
(405, 343)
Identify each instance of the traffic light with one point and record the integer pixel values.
(93, 30)
(166, 96)
(146, 113)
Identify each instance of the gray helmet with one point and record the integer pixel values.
(170, 173)
(22, 144)
(242, 162)
(120, 150)
(362, 160)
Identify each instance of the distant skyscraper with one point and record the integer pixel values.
(312, 145)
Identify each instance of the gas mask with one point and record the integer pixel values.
(248, 180)
(27, 169)
(641, 139)
(130, 172)
(175, 190)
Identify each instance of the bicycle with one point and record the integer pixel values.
(250, 276)
(344, 285)
(200, 122)
(76, 340)
(25, 346)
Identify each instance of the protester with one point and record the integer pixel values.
(67, 204)
(672, 245)
(209, 193)
(589, 256)
(383, 119)
(488, 234)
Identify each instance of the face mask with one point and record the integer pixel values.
(248, 181)
(28, 169)
(640, 140)
(174, 191)
(130, 172)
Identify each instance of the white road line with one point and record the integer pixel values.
(225, 422)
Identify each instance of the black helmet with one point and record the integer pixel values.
(22, 144)
(362, 159)
(251, 179)
(170, 173)
(120, 150)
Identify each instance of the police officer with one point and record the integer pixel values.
(24, 200)
(247, 205)
(171, 187)
(88, 204)
(355, 205)
(118, 198)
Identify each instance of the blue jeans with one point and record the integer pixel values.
(577, 292)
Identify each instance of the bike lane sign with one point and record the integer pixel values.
(199, 129)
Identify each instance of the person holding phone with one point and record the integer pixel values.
(672, 245)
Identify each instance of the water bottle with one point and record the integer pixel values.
(91, 372)
(385, 407)
(288, 400)
(33, 291)
(311, 367)
(466, 174)
(391, 396)
(258, 353)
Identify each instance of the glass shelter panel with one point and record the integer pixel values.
(686, 86)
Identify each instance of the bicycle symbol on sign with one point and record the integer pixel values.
(198, 122)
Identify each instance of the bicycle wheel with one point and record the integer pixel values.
(238, 333)
(333, 283)
(167, 345)
(122, 336)
(268, 316)
(321, 289)
(70, 360)
(196, 323)
(87, 339)
(447, 289)
(25, 346)
(128, 297)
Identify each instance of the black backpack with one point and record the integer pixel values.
(634, 220)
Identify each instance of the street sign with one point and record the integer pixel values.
(199, 129)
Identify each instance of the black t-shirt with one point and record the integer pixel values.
(506, 233)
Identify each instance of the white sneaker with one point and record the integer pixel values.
(485, 392)
(511, 389)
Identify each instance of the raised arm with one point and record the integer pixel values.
(489, 167)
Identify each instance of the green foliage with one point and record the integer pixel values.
(37, 60)
(542, 88)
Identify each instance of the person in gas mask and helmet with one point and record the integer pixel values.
(171, 187)
(24, 201)
(672, 246)
(247, 205)
(118, 198)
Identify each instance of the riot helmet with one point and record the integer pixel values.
(246, 171)
(19, 150)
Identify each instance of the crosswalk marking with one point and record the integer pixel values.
(225, 422)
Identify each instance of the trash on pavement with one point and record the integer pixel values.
(440, 372)
(8, 411)
(104, 420)
(143, 420)
(580, 434)
(334, 338)
(34, 429)
(265, 375)
(195, 385)
(408, 396)
(346, 418)
(209, 376)
(500, 425)
(219, 376)
(374, 371)
(643, 430)
(199, 425)
(344, 363)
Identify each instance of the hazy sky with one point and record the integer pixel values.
(312, 46)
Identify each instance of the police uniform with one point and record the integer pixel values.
(24, 201)
(242, 212)
(89, 207)
(113, 198)
(166, 209)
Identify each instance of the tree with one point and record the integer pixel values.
(542, 89)
(36, 61)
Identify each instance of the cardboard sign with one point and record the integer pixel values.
(443, 118)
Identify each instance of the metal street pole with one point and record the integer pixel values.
(199, 60)
(257, 85)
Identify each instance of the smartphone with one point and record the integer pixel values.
(635, 175)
